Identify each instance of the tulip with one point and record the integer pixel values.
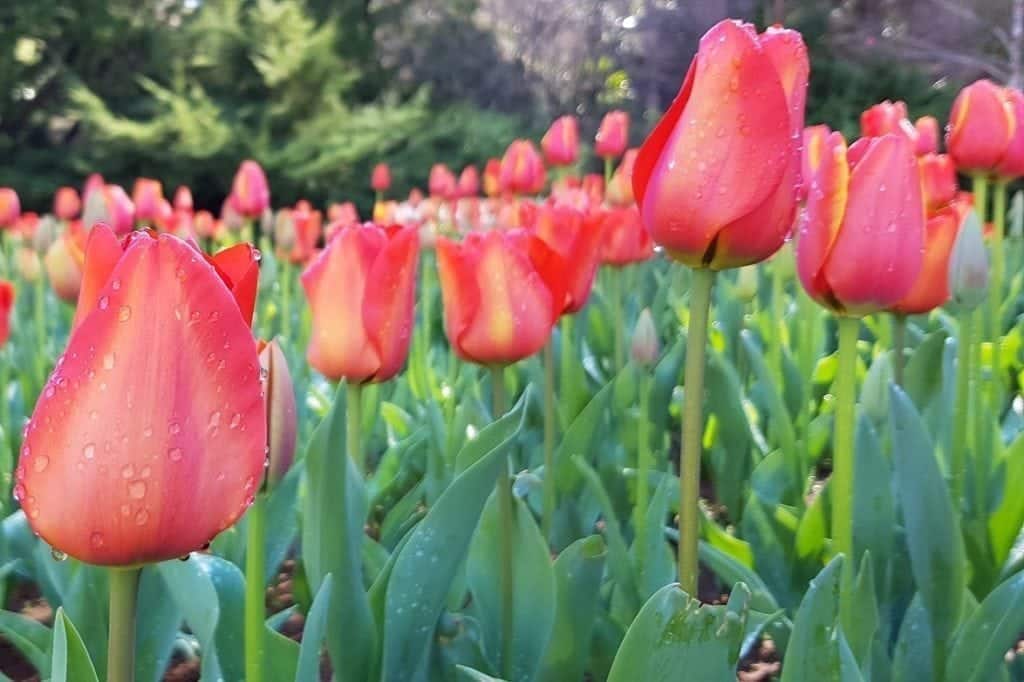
(364, 335)
(717, 179)
(561, 143)
(204, 224)
(981, 127)
(380, 179)
(492, 178)
(931, 288)
(626, 240)
(1011, 165)
(26, 225)
(111, 205)
(10, 208)
(442, 183)
(6, 306)
(927, 128)
(183, 199)
(938, 180)
(166, 336)
(501, 293)
(147, 197)
(94, 182)
(64, 260)
(613, 135)
(27, 262)
(522, 170)
(307, 225)
(66, 203)
(862, 236)
(577, 238)
(645, 348)
(250, 193)
(345, 214)
(885, 118)
(281, 411)
(620, 189)
(469, 182)
(815, 138)
(593, 188)
(969, 265)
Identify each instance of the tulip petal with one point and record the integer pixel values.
(389, 303)
(102, 252)
(459, 293)
(150, 436)
(239, 267)
(826, 204)
(931, 289)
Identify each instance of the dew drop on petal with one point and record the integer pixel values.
(96, 540)
(137, 490)
(40, 463)
(89, 451)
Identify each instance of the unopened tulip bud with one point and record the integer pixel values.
(28, 264)
(46, 233)
(281, 424)
(10, 207)
(645, 348)
(968, 265)
(284, 230)
(746, 283)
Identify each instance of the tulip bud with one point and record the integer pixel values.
(980, 127)
(183, 199)
(147, 196)
(613, 135)
(64, 268)
(46, 233)
(66, 203)
(492, 178)
(968, 265)
(469, 182)
(561, 143)
(28, 264)
(6, 305)
(442, 182)
(111, 205)
(10, 207)
(284, 231)
(1012, 164)
(645, 347)
(522, 169)
(380, 179)
(250, 193)
(746, 283)
(281, 420)
(927, 135)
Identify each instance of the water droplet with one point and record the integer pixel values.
(214, 420)
(174, 428)
(147, 432)
(89, 451)
(137, 490)
(104, 302)
(174, 454)
(186, 557)
(19, 491)
(49, 392)
(96, 539)
(58, 555)
(40, 463)
(141, 517)
(146, 472)
(127, 471)
(124, 313)
(108, 361)
(116, 284)
(125, 510)
(236, 420)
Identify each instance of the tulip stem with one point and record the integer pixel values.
(353, 432)
(619, 324)
(899, 344)
(778, 323)
(958, 453)
(255, 581)
(643, 468)
(41, 334)
(995, 288)
(842, 444)
(506, 511)
(286, 301)
(693, 427)
(569, 361)
(609, 169)
(124, 589)
(550, 495)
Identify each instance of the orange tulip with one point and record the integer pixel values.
(938, 180)
(469, 182)
(626, 240)
(364, 335)
(1012, 164)
(183, 199)
(250, 193)
(620, 189)
(66, 203)
(561, 143)
(164, 336)
(6, 306)
(147, 196)
(927, 135)
(501, 291)
(492, 178)
(717, 179)
(577, 238)
(860, 244)
(522, 170)
(281, 412)
(380, 179)
(307, 225)
(931, 288)
(10, 208)
(613, 135)
(981, 126)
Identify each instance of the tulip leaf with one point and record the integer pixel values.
(730, 571)
(813, 652)
(471, 675)
(934, 541)
(912, 655)
(987, 633)
(430, 557)
(1005, 522)
(154, 633)
(334, 514)
(655, 563)
(873, 511)
(31, 638)
(920, 379)
(85, 601)
(70, 661)
(534, 581)
(578, 571)
(281, 655)
(782, 425)
(314, 633)
(674, 634)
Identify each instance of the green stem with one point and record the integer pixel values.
(842, 447)
(569, 361)
(643, 467)
(255, 593)
(506, 511)
(286, 300)
(39, 305)
(619, 323)
(958, 449)
(353, 432)
(693, 427)
(609, 169)
(378, 199)
(124, 589)
(550, 494)
(899, 342)
(995, 287)
(778, 323)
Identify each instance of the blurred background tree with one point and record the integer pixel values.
(320, 90)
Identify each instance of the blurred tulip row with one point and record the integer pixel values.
(745, 403)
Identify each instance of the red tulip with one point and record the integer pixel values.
(500, 291)
(613, 135)
(181, 462)
(6, 306)
(1012, 164)
(561, 143)
(717, 179)
(885, 118)
(10, 207)
(442, 183)
(862, 236)
(307, 225)
(492, 178)
(380, 180)
(981, 127)
(522, 170)
(204, 224)
(938, 180)
(66, 203)
(577, 238)
(281, 412)
(593, 187)
(620, 189)
(927, 128)
(469, 182)
(250, 193)
(147, 197)
(363, 335)
(931, 288)
(183, 199)
(815, 139)
(626, 240)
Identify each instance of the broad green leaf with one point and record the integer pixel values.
(782, 426)
(314, 633)
(155, 632)
(654, 560)
(70, 661)
(423, 571)
(31, 638)
(731, 571)
(986, 634)
(921, 381)
(1005, 522)
(281, 655)
(470, 675)
(675, 635)
(873, 511)
(813, 652)
(912, 656)
(935, 544)
(578, 572)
